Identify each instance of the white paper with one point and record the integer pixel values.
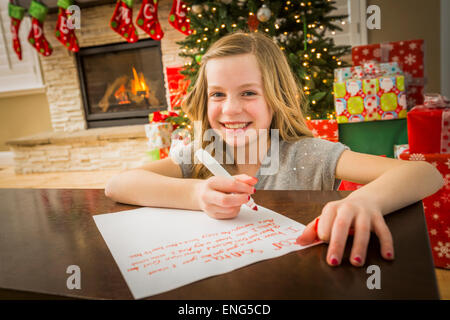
(160, 249)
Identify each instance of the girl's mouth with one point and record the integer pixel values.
(235, 126)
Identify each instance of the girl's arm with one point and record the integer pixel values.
(157, 184)
(390, 185)
(160, 184)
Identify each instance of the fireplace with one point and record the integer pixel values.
(121, 83)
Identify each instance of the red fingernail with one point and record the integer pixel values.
(254, 190)
(255, 208)
(389, 255)
(334, 261)
(248, 198)
(358, 259)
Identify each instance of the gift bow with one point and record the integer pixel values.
(435, 100)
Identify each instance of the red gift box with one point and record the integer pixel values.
(178, 85)
(408, 54)
(324, 129)
(429, 126)
(437, 208)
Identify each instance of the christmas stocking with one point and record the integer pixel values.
(63, 33)
(121, 21)
(16, 13)
(177, 17)
(147, 19)
(36, 37)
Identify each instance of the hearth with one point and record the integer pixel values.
(121, 83)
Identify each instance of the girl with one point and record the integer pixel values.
(245, 86)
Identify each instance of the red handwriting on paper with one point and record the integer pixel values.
(285, 243)
(154, 262)
(235, 243)
(133, 269)
(158, 270)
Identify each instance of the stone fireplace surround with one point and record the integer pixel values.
(71, 146)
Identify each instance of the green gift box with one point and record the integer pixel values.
(374, 137)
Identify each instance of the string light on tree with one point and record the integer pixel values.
(300, 29)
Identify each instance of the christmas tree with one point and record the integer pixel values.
(299, 27)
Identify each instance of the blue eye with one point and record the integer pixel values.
(251, 93)
(214, 94)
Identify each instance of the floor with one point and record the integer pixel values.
(97, 180)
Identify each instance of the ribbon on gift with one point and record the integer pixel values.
(435, 100)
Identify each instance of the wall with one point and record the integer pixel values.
(22, 116)
(409, 20)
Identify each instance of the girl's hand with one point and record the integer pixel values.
(221, 198)
(334, 225)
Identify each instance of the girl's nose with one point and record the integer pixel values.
(231, 106)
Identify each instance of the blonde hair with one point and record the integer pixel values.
(281, 90)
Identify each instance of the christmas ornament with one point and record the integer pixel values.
(177, 17)
(147, 19)
(16, 14)
(121, 21)
(252, 22)
(263, 13)
(196, 8)
(38, 12)
(241, 3)
(64, 34)
(198, 58)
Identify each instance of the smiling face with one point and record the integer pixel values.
(236, 105)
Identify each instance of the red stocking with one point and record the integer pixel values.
(36, 37)
(177, 17)
(147, 19)
(65, 35)
(16, 13)
(121, 21)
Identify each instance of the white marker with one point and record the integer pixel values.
(219, 171)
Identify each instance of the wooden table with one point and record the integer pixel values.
(43, 231)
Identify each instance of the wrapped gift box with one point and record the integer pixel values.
(324, 129)
(381, 98)
(158, 134)
(368, 69)
(429, 126)
(410, 57)
(178, 85)
(437, 207)
(158, 154)
(374, 137)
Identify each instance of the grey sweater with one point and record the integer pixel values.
(306, 164)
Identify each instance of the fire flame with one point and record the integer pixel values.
(138, 85)
(121, 95)
(139, 90)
